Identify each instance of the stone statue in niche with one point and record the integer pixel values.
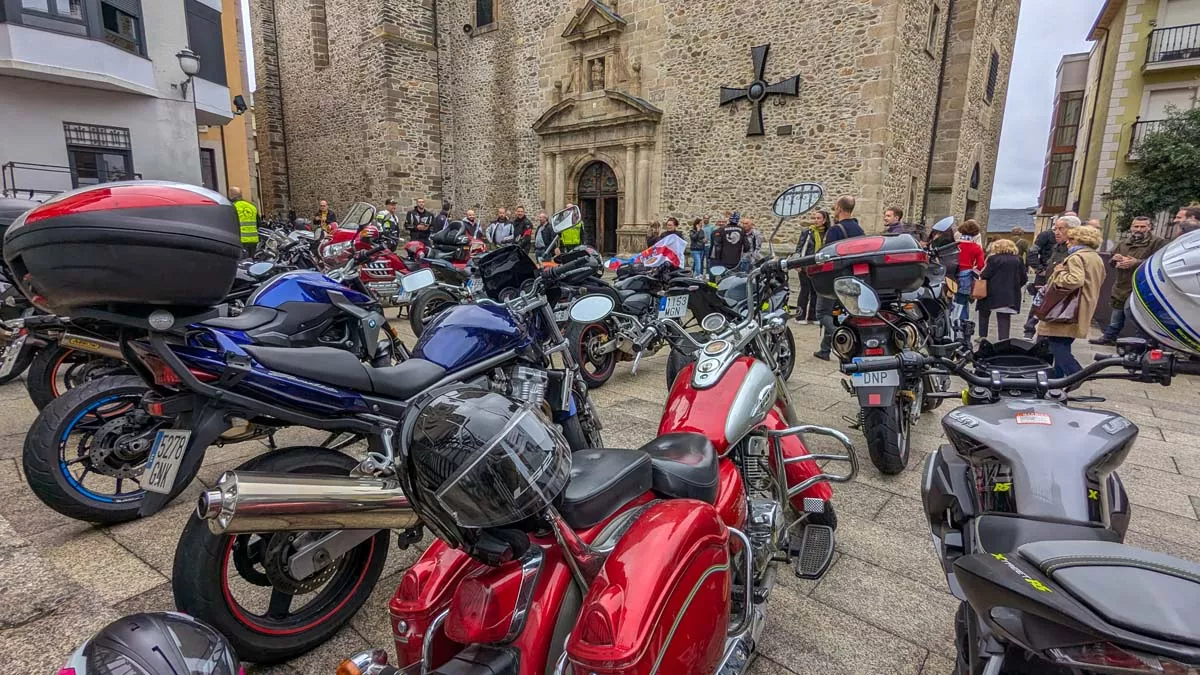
(596, 75)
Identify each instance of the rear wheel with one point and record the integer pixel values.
(587, 339)
(20, 366)
(239, 583)
(56, 369)
(85, 453)
(886, 430)
(426, 306)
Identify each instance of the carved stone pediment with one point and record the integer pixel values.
(594, 19)
(596, 109)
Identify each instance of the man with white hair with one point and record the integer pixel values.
(1049, 249)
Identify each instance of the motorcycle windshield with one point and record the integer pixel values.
(361, 213)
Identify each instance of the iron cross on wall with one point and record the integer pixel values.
(759, 90)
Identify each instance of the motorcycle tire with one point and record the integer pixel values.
(201, 576)
(54, 361)
(788, 363)
(88, 410)
(886, 430)
(929, 403)
(426, 306)
(593, 373)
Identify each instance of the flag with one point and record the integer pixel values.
(670, 250)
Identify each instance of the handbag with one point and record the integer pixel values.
(980, 290)
(1056, 305)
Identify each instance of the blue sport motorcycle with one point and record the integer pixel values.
(85, 454)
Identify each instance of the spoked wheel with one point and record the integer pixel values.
(241, 583)
(887, 430)
(85, 454)
(587, 340)
(57, 369)
(785, 353)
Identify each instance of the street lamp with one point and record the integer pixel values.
(189, 63)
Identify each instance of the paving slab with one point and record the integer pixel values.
(102, 567)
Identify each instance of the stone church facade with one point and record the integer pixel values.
(634, 109)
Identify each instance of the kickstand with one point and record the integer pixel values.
(636, 360)
(853, 422)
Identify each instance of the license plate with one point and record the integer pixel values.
(562, 315)
(672, 306)
(882, 378)
(11, 354)
(165, 458)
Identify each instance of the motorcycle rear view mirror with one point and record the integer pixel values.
(858, 298)
(713, 323)
(716, 270)
(797, 200)
(944, 225)
(592, 308)
(261, 269)
(565, 219)
(415, 281)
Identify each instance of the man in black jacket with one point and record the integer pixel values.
(845, 226)
(442, 219)
(730, 242)
(418, 222)
(522, 228)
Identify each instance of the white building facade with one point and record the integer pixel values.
(92, 91)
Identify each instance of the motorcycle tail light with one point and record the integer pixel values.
(164, 376)
(596, 628)
(482, 608)
(66, 671)
(873, 351)
(1106, 655)
(819, 269)
(903, 258)
(860, 269)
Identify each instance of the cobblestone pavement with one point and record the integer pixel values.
(882, 607)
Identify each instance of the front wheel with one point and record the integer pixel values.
(587, 340)
(239, 583)
(86, 452)
(785, 353)
(886, 430)
(426, 306)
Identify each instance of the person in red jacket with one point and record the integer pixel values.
(970, 262)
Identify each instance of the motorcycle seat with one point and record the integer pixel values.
(601, 482)
(343, 369)
(685, 466)
(637, 303)
(626, 294)
(251, 317)
(995, 533)
(1145, 592)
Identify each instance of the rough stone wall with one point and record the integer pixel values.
(359, 102)
(969, 126)
(268, 112)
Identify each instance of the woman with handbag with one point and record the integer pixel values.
(998, 288)
(970, 262)
(1065, 306)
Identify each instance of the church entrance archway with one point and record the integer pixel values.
(598, 190)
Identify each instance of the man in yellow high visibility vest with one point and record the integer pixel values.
(247, 220)
(572, 237)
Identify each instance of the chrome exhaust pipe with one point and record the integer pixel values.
(91, 345)
(248, 501)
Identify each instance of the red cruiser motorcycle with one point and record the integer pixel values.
(656, 560)
(379, 274)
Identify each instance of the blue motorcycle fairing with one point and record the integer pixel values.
(303, 286)
(467, 334)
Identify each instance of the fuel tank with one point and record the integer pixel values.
(303, 286)
(466, 334)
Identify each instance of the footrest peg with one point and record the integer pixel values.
(815, 552)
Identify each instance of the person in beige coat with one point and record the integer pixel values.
(1082, 269)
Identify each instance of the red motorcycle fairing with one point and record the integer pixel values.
(704, 411)
(662, 599)
(731, 494)
(431, 584)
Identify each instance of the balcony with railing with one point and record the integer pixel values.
(1173, 46)
(1137, 134)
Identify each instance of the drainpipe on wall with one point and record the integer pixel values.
(937, 111)
(1087, 146)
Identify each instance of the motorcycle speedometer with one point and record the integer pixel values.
(715, 347)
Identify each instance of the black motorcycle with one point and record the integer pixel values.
(1027, 514)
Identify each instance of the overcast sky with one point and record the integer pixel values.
(1046, 31)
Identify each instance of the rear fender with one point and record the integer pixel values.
(797, 472)
(207, 424)
(661, 602)
(425, 591)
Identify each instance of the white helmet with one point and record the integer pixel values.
(1166, 294)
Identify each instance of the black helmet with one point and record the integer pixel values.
(152, 644)
(478, 460)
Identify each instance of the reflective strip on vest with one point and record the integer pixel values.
(248, 217)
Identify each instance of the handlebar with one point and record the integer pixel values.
(1154, 365)
(556, 273)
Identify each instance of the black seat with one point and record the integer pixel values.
(1148, 593)
(685, 466)
(602, 481)
(637, 303)
(626, 294)
(446, 236)
(1005, 534)
(251, 317)
(343, 369)
(406, 379)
